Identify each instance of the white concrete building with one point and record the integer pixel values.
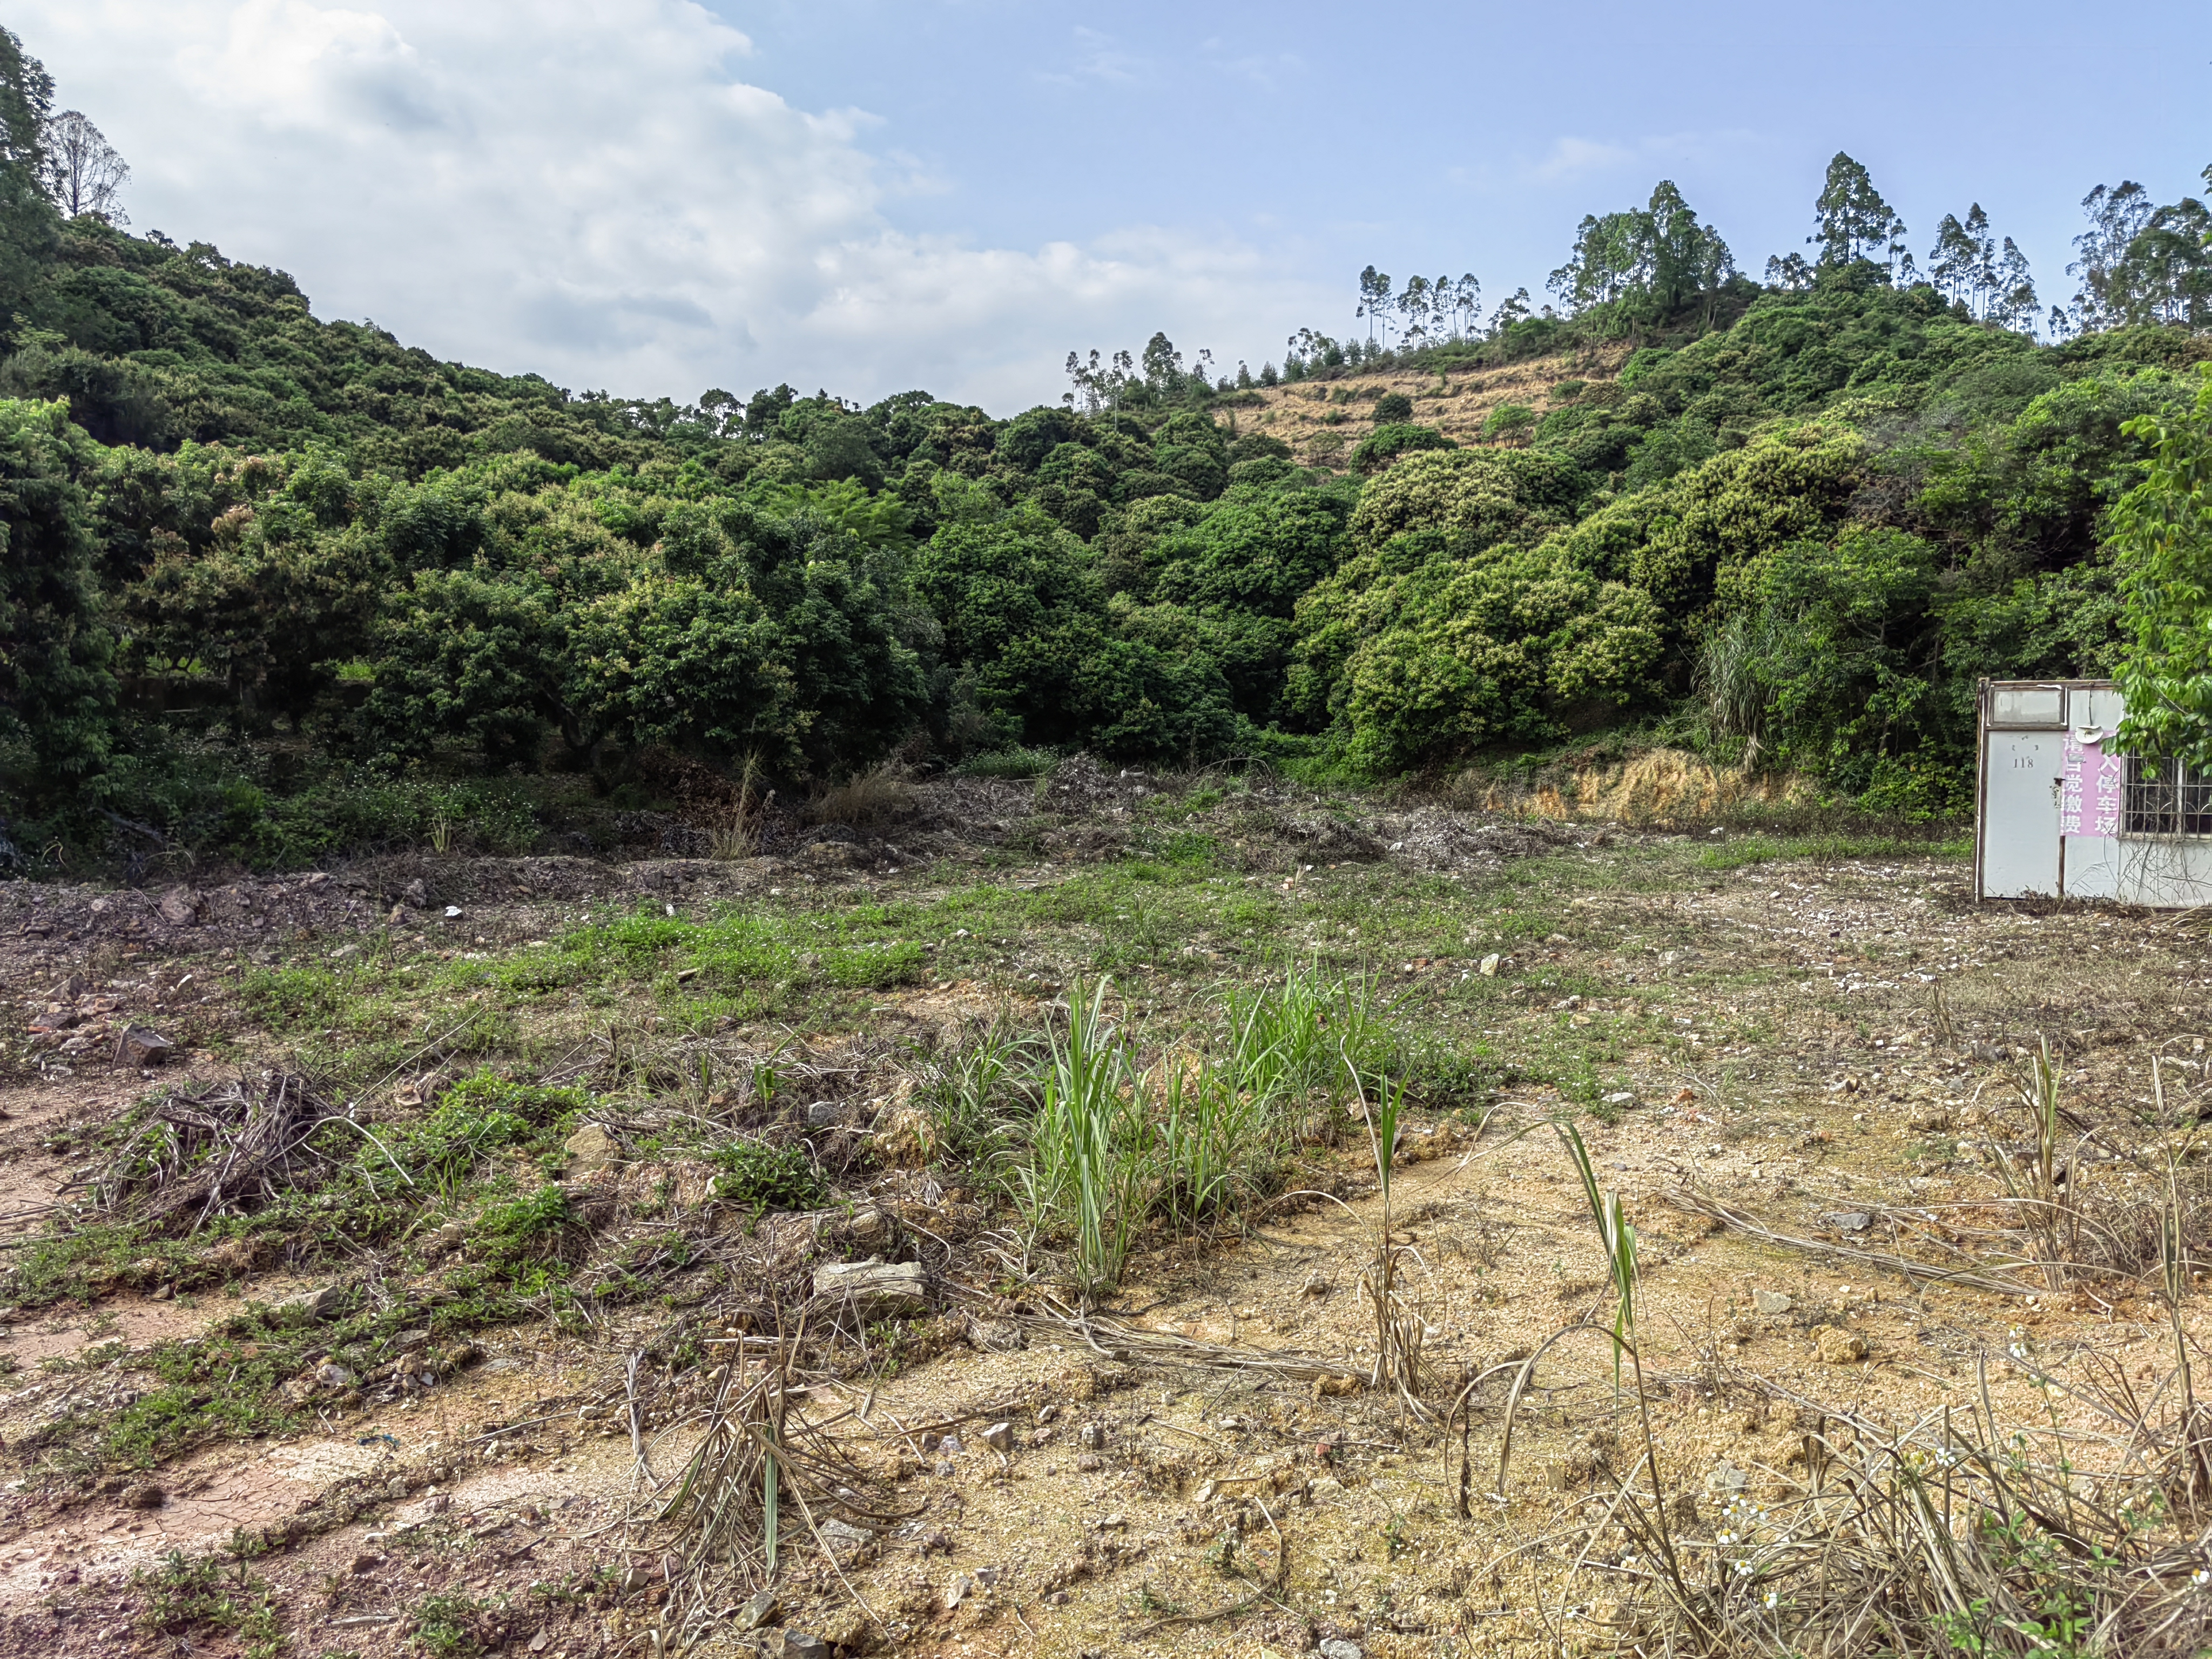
(2060, 812)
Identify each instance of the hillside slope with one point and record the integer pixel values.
(1324, 420)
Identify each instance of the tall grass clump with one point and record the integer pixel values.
(1307, 1047)
(1092, 1154)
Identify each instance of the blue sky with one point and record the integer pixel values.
(651, 197)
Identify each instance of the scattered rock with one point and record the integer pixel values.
(141, 1045)
(1839, 1347)
(589, 1149)
(1847, 1221)
(758, 1611)
(309, 1307)
(957, 1590)
(1091, 1435)
(843, 1540)
(1337, 1648)
(999, 1437)
(453, 913)
(825, 1115)
(875, 1289)
(1488, 966)
(1771, 1301)
(180, 908)
(414, 895)
(336, 1377)
(1316, 1283)
(145, 1495)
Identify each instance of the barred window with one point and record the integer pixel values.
(2167, 798)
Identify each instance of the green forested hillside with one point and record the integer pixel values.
(255, 558)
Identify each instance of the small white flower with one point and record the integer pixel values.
(1773, 1597)
(1743, 1568)
(2200, 1578)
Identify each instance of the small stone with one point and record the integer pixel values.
(1727, 1479)
(956, 1592)
(453, 913)
(589, 1149)
(1337, 1648)
(843, 1540)
(180, 908)
(1847, 1221)
(1620, 1097)
(144, 1495)
(758, 1611)
(310, 1306)
(800, 1644)
(332, 1375)
(1316, 1283)
(366, 1562)
(141, 1045)
(875, 1290)
(825, 1114)
(999, 1437)
(1771, 1301)
(1839, 1347)
(407, 1339)
(414, 895)
(1091, 1435)
(1488, 966)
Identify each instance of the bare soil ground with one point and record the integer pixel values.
(1821, 1038)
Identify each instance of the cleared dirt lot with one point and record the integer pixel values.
(1801, 1064)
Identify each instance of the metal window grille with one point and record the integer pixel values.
(2167, 798)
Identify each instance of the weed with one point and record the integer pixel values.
(454, 1626)
(765, 1176)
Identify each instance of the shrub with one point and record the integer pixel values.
(1393, 406)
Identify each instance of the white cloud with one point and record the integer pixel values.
(1573, 157)
(586, 189)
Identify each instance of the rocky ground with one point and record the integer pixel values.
(1800, 1063)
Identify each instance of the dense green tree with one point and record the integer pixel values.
(58, 692)
(2162, 535)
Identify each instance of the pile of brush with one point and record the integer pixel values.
(228, 1146)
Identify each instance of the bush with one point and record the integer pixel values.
(1393, 406)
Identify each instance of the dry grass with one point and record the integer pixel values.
(867, 801)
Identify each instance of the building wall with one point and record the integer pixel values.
(2022, 798)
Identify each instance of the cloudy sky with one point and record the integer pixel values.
(658, 196)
